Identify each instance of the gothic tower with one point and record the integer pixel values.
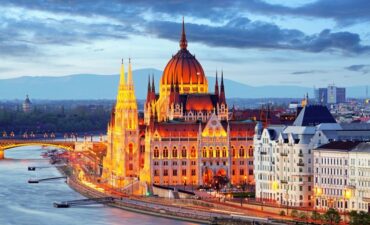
(123, 135)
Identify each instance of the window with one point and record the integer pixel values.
(156, 152)
(193, 172)
(210, 152)
(165, 152)
(174, 152)
(183, 152)
(233, 151)
(130, 166)
(224, 153)
(183, 172)
(204, 152)
(241, 151)
(156, 173)
(193, 153)
(165, 172)
(241, 172)
(174, 172)
(217, 152)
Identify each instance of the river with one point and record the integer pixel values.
(32, 204)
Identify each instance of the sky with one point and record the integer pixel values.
(256, 42)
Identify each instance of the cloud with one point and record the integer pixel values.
(244, 33)
(303, 72)
(74, 22)
(363, 68)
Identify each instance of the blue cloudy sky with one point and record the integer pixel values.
(257, 42)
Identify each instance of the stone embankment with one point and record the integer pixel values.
(162, 208)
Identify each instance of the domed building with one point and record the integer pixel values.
(26, 106)
(185, 135)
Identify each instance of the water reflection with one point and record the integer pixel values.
(31, 204)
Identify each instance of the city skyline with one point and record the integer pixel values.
(255, 42)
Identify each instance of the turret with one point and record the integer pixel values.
(222, 99)
(217, 92)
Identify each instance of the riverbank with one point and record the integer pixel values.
(135, 205)
(163, 208)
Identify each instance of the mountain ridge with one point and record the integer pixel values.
(99, 86)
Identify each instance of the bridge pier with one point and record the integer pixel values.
(1, 154)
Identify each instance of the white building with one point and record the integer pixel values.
(283, 157)
(342, 176)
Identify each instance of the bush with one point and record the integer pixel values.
(294, 213)
(332, 217)
(315, 215)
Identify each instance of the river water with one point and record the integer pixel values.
(32, 204)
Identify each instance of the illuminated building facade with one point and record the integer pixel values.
(186, 135)
(342, 175)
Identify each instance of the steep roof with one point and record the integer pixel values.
(340, 145)
(312, 115)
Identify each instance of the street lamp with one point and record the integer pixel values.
(185, 182)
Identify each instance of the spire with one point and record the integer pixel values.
(129, 75)
(149, 91)
(183, 41)
(153, 86)
(222, 92)
(122, 75)
(217, 92)
(149, 88)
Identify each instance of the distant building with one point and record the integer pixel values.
(331, 95)
(341, 176)
(26, 106)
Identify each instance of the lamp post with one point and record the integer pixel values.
(185, 182)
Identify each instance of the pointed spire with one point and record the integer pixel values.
(183, 41)
(153, 86)
(217, 92)
(122, 75)
(149, 87)
(222, 97)
(129, 76)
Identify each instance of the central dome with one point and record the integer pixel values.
(185, 70)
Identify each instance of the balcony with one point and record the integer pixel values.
(263, 153)
(283, 154)
(300, 154)
(283, 181)
(300, 164)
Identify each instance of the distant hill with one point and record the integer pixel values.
(91, 86)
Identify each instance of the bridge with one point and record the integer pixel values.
(6, 144)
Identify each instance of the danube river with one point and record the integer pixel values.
(32, 204)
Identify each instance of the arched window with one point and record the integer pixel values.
(165, 152)
(251, 151)
(156, 152)
(193, 153)
(217, 152)
(233, 151)
(204, 152)
(183, 152)
(224, 152)
(241, 151)
(210, 154)
(174, 152)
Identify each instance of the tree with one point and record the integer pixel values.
(360, 218)
(315, 215)
(302, 216)
(282, 213)
(332, 217)
(294, 213)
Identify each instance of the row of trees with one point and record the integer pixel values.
(77, 119)
(331, 217)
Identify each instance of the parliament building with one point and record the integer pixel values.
(186, 134)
